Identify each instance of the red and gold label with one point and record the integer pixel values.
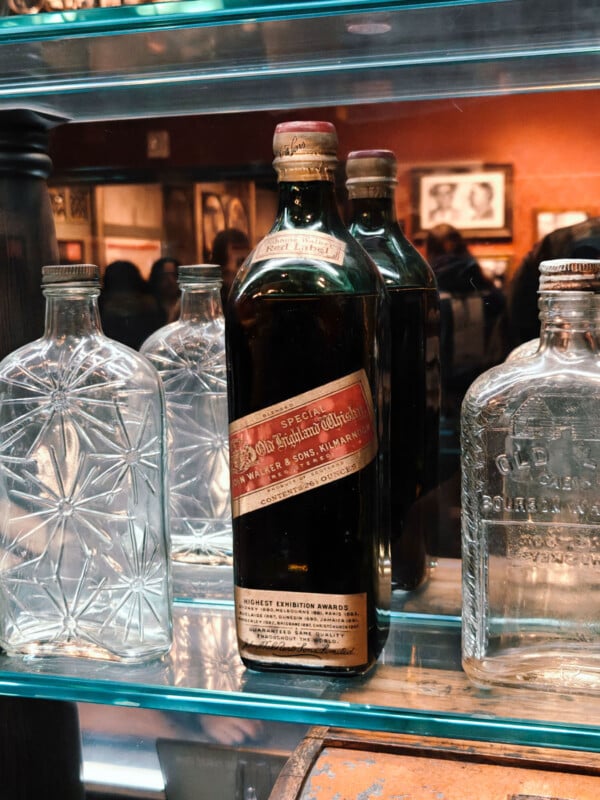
(306, 629)
(301, 244)
(302, 443)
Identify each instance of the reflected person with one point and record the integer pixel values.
(128, 312)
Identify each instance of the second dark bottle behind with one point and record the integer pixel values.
(415, 375)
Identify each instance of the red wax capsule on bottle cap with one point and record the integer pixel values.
(305, 126)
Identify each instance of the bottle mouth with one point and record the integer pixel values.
(74, 275)
(305, 151)
(198, 274)
(371, 173)
(570, 274)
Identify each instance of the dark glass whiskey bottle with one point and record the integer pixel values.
(306, 353)
(415, 383)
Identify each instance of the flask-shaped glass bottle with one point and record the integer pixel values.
(531, 500)
(306, 350)
(189, 355)
(83, 548)
(415, 370)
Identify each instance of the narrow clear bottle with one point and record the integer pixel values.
(531, 500)
(83, 548)
(307, 358)
(189, 355)
(415, 370)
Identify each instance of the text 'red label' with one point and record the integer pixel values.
(301, 244)
(299, 444)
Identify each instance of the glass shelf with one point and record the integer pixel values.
(208, 56)
(417, 686)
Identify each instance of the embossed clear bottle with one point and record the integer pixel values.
(531, 500)
(83, 549)
(190, 357)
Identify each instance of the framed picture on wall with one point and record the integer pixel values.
(548, 220)
(477, 200)
(221, 206)
(71, 203)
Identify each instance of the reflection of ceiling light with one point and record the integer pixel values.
(369, 28)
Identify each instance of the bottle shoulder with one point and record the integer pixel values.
(185, 335)
(399, 262)
(304, 261)
(158, 337)
(537, 376)
(80, 360)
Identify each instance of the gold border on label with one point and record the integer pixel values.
(319, 475)
(313, 395)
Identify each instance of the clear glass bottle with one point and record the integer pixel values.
(83, 548)
(307, 358)
(415, 371)
(531, 500)
(189, 355)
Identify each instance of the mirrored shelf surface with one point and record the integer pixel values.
(208, 56)
(417, 687)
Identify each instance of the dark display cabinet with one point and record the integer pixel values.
(228, 56)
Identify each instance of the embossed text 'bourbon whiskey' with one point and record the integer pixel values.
(306, 351)
(531, 500)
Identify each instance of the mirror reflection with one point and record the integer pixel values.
(487, 188)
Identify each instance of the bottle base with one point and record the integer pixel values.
(552, 670)
(200, 558)
(402, 583)
(192, 581)
(84, 651)
(187, 549)
(256, 665)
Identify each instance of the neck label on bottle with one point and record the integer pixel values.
(303, 244)
(302, 443)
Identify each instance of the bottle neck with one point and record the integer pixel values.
(568, 321)
(373, 213)
(201, 302)
(307, 204)
(72, 311)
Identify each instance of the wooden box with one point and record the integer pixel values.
(333, 764)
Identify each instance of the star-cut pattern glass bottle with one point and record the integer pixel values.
(189, 355)
(83, 550)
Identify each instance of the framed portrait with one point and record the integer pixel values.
(475, 200)
(213, 219)
(71, 203)
(546, 221)
(221, 206)
(236, 215)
